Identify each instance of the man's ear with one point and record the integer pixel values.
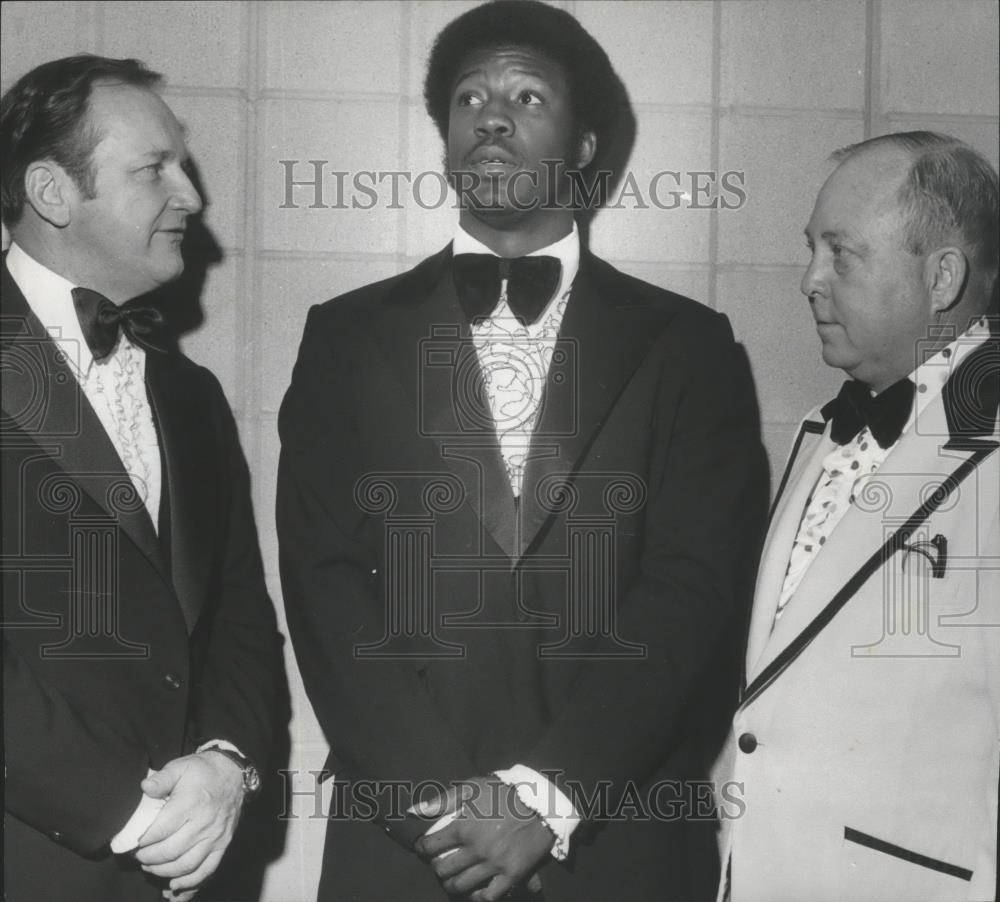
(51, 192)
(585, 149)
(946, 271)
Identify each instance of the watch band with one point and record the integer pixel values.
(251, 776)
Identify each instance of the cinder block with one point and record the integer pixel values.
(785, 161)
(662, 52)
(431, 216)
(668, 149)
(427, 18)
(33, 33)
(192, 43)
(295, 876)
(360, 139)
(940, 56)
(265, 480)
(288, 288)
(983, 135)
(792, 54)
(216, 139)
(215, 341)
(692, 283)
(771, 318)
(343, 47)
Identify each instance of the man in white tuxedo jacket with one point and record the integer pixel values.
(865, 749)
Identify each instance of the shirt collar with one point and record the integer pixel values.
(50, 298)
(566, 250)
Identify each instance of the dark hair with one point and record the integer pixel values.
(596, 92)
(950, 189)
(43, 116)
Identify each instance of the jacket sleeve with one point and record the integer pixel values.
(69, 774)
(235, 697)
(381, 723)
(707, 485)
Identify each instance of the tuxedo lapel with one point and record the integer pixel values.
(811, 445)
(426, 340)
(184, 432)
(43, 399)
(605, 336)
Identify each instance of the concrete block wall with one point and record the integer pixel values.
(768, 88)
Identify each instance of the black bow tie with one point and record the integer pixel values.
(531, 282)
(101, 322)
(885, 415)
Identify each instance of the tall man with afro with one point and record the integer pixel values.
(516, 495)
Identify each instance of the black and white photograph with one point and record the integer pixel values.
(477, 450)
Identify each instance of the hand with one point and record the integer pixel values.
(494, 843)
(187, 840)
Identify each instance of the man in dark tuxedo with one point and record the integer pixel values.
(517, 494)
(139, 642)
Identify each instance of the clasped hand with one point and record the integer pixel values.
(493, 844)
(187, 840)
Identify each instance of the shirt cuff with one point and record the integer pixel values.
(440, 824)
(549, 802)
(219, 744)
(127, 839)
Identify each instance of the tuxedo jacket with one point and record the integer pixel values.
(122, 649)
(445, 630)
(866, 749)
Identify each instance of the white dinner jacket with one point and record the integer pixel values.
(865, 753)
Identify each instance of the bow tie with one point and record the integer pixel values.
(531, 282)
(101, 322)
(885, 415)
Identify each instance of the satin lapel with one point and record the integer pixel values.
(919, 464)
(801, 472)
(185, 434)
(426, 339)
(605, 336)
(43, 399)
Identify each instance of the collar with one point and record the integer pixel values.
(931, 376)
(50, 298)
(566, 250)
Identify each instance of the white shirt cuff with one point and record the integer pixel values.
(219, 744)
(547, 801)
(127, 839)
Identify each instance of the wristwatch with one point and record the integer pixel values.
(251, 776)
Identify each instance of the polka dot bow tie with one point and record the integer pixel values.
(885, 415)
(102, 321)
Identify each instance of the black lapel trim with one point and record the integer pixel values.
(606, 333)
(888, 848)
(184, 426)
(878, 559)
(421, 318)
(971, 396)
(811, 427)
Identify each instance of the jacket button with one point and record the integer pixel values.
(172, 681)
(747, 743)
